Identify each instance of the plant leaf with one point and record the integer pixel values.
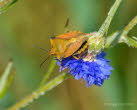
(6, 79)
(5, 5)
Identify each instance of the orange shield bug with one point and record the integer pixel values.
(71, 43)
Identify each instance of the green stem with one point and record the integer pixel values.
(40, 91)
(131, 24)
(121, 36)
(104, 28)
(48, 73)
(110, 40)
(97, 42)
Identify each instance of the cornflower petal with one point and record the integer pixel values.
(93, 72)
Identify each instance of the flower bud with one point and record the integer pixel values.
(96, 43)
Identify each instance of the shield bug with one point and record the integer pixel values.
(71, 43)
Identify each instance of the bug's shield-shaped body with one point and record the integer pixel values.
(67, 44)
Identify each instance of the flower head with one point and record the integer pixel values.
(93, 72)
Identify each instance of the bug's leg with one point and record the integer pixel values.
(76, 57)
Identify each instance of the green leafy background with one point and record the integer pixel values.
(33, 22)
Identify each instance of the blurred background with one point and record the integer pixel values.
(33, 22)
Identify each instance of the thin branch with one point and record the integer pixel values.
(97, 42)
(110, 39)
(40, 91)
(104, 28)
(121, 36)
(131, 24)
(48, 73)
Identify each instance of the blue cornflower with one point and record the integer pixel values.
(93, 72)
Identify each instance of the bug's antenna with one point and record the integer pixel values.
(41, 48)
(44, 61)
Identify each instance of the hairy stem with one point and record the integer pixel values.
(131, 24)
(40, 91)
(97, 42)
(121, 36)
(104, 28)
(48, 73)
